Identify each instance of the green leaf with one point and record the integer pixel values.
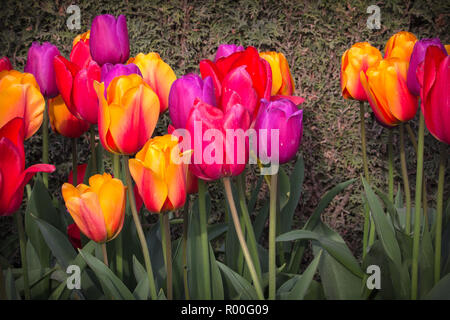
(236, 284)
(441, 291)
(302, 285)
(216, 278)
(284, 187)
(10, 286)
(426, 263)
(216, 230)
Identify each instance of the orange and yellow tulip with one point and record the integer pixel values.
(98, 209)
(389, 97)
(359, 57)
(282, 80)
(63, 121)
(157, 74)
(160, 179)
(21, 97)
(400, 45)
(128, 115)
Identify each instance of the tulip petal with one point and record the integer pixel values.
(112, 202)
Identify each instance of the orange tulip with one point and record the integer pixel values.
(447, 48)
(161, 181)
(64, 122)
(282, 80)
(400, 45)
(359, 57)
(157, 74)
(389, 97)
(98, 209)
(20, 97)
(128, 116)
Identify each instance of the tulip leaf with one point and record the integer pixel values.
(10, 286)
(284, 187)
(237, 285)
(426, 263)
(302, 285)
(441, 291)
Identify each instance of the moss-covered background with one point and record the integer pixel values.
(312, 34)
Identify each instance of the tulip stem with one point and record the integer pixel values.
(391, 166)
(272, 234)
(418, 206)
(74, 162)
(204, 238)
(23, 254)
(45, 142)
(405, 179)
(439, 209)
(93, 153)
(185, 238)
(105, 254)
(238, 229)
(165, 228)
(140, 232)
(118, 240)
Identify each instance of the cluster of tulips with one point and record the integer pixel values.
(410, 70)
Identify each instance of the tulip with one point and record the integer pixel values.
(433, 75)
(81, 53)
(282, 81)
(76, 87)
(110, 71)
(64, 122)
(220, 157)
(160, 180)
(81, 172)
(40, 64)
(98, 209)
(359, 57)
(5, 64)
(417, 56)
(284, 116)
(13, 175)
(128, 115)
(73, 232)
(241, 78)
(225, 50)
(400, 45)
(20, 97)
(183, 93)
(447, 48)
(157, 74)
(109, 41)
(388, 95)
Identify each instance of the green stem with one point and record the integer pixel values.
(93, 153)
(272, 234)
(23, 254)
(250, 234)
(440, 204)
(45, 142)
(204, 238)
(238, 229)
(391, 166)
(185, 238)
(140, 232)
(405, 179)
(167, 253)
(74, 162)
(105, 254)
(418, 206)
(118, 241)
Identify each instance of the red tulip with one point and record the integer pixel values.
(5, 64)
(74, 235)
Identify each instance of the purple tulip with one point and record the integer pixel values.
(282, 115)
(40, 64)
(109, 41)
(417, 56)
(225, 50)
(110, 71)
(183, 93)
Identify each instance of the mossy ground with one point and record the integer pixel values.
(312, 35)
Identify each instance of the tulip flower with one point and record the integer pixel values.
(284, 116)
(183, 93)
(81, 53)
(40, 64)
(20, 97)
(128, 115)
(434, 79)
(76, 87)
(447, 48)
(157, 74)
(108, 40)
(110, 71)
(64, 122)
(81, 171)
(417, 56)
(386, 90)
(98, 209)
(73, 232)
(400, 45)
(359, 57)
(242, 78)
(160, 180)
(5, 64)
(224, 50)
(282, 81)
(221, 156)
(13, 175)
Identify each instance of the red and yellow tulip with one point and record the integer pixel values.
(98, 209)
(282, 80)
(63, 121)
(400, 45)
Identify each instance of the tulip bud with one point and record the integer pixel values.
(5, 64)
(64, 122)
(109, 41)
(400, 45)
(40, 64)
